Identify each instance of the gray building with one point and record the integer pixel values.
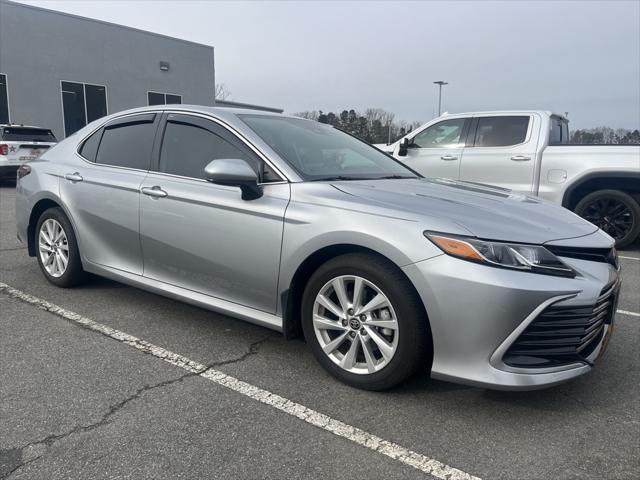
(62, 71)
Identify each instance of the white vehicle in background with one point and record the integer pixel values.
(529, 152)
(21, 143)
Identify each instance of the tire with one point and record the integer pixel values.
(615, 212)
(410, 340)
(72, 273)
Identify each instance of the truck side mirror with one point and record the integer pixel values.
(404, 146)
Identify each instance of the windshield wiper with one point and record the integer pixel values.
(392, 177)
(337, 177)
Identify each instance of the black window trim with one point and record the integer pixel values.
(164, 94)
(463, 133)
(155, 162)
(6, 86)
(472, 138)
(115, 121)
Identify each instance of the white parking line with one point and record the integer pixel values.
(317, 419)
(627, 312)
(628, 258)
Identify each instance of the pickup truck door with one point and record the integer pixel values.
(501, 151)
(436, 150)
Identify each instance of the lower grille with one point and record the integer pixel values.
(563, 335)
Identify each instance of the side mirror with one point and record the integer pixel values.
(403, 147)
(234, 172)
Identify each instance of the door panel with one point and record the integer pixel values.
(205, 238)
(104, 206)
(503, 152)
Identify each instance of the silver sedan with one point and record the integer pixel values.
(302, 228)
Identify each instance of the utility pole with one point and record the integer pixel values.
(440, 83)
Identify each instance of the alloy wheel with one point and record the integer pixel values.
(53, 247)
(611, 215)
(355, 324)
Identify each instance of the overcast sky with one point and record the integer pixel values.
(577, 56)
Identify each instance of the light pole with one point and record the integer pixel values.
(440, 83)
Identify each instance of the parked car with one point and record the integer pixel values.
(529, 151)
(19, 144)
(297, 226)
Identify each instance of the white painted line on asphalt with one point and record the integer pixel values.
(628, 258)
(317, 419)
(627, 312)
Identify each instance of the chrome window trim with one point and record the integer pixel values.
(284, 178)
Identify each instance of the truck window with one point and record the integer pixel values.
(444, 134)
(501, 131)
(559, 131)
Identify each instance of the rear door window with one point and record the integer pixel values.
(26, 134)
(127, 142)
(89, 148)
(501, 131)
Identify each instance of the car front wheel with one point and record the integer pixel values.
(365, 323)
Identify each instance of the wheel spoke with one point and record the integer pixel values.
(329, 305)
(50, 259)
(358, 285)
(368, 356)
(335, 343)
(338, 287)
(49, 228)
(385, 347)
(59, 267)
(64, 246)
(392, 324)
(349, 360)
(375, 303)
(45, 237)
(64, 259)
(324, 323)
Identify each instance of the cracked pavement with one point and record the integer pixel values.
(77, 404)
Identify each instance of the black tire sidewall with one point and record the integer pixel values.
(414, 342)
(74, 274)
(621, 197)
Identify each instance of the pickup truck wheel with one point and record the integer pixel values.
(615, 212)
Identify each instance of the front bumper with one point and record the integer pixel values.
(476, 312)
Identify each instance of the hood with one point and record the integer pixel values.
(487, 212)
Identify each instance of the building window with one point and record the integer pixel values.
(4, 99)
(157, 98)
(82, 103)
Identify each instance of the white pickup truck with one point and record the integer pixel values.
(529, 151)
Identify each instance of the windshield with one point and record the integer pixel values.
(320, 152)
(26, 134)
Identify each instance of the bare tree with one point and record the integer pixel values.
(221, 92)
(309, 115)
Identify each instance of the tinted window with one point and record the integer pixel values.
(441, 135)
(172, 99)
(318, 151)
(4, 99)
(559, 131)
(157, 98)
(127, 144)
(501, 131)
(25, 134)
(189, 145)
(96, 98)
(89, 148)
(73, 106)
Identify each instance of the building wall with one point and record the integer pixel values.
(40, 48)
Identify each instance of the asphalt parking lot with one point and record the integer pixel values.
(78, 400)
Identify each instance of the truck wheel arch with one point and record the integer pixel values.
(628, 182)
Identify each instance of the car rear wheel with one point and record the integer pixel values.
(57, 250)
(615, 212)
(365, 323)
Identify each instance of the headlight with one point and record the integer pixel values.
(528, 258)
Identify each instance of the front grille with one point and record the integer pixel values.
(563, 335)
(605, 255)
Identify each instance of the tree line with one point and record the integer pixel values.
(376, 125)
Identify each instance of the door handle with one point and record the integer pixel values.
(74, 177)
(448, 157)
(154, 191)
(520, 158)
